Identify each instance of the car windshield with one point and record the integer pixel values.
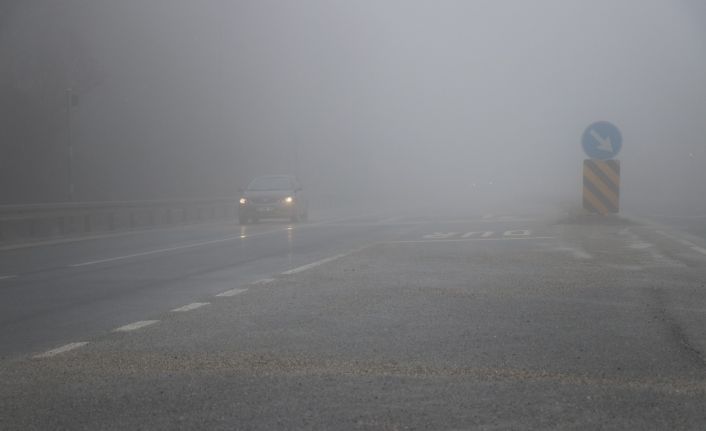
(270, 184)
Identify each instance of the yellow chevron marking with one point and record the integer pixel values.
(593, 200)
(608, 170)
(602, 187)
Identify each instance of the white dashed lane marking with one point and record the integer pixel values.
(231, 292)
(60, 350)
(264, 281)
(7, 277)
(189, 307)
(312, 265)
(136, 325)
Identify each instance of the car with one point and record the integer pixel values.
(273, 196)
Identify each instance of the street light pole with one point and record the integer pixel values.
(70, 102)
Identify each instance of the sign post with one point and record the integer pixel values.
(601, 141)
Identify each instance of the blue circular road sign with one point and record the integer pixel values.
(602, 140)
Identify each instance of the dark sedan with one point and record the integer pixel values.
(273, 196)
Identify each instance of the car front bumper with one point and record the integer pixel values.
(267, 211)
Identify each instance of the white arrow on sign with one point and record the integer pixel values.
(604, 144)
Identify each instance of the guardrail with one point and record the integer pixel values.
(20, 223)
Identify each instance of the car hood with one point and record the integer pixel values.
(279, 194)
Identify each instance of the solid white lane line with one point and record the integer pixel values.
(693, 217)
(189, 307)
(312, 265)
(432, 241)
(663, 233)
(160, 250)
(676, 238)
(135, 325)
(201, 243)
(59, 350)
(7, 277)
(231, 292)
(699, 249)
(118, 234)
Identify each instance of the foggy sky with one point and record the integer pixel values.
(396, 97)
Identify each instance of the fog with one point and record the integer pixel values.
(366, 101)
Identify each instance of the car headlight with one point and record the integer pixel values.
(243, 201)
(288, 200)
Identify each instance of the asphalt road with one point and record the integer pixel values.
(509, 320)
(67, 289)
